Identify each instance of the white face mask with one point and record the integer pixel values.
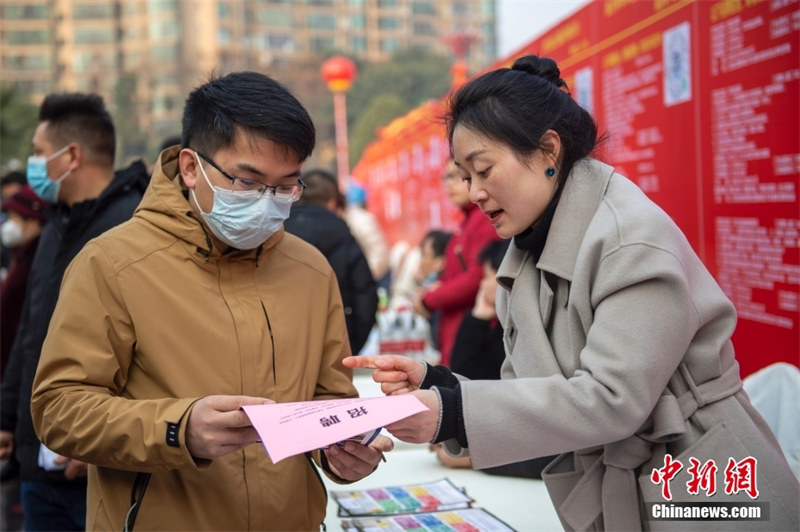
(243, 219)
(11, 234)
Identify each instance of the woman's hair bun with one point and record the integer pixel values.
(543, 67)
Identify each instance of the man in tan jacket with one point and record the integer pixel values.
(200, 304)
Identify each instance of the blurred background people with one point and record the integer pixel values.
(19, 233)
(431, 265)
(368, 232)
(9, 185)
(458, 286)
(404, 261)
(314, 218)
(432, 257)
(478, 347)
(23, 215)
(73, 167)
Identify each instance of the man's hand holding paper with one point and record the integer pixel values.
(353, 461)
(217, 426)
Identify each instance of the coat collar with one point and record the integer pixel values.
(165, 204)
(583, 191)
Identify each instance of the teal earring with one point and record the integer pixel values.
(550, 172)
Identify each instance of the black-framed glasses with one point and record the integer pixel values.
(240, 184)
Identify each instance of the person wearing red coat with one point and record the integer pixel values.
(455, 294)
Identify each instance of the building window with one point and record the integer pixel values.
(163, 6)
(92, 11)
(224, 11)
(161, 29)
(461, 10)
(17, 12)
(387, 3)
(321, 22)
(29, 62)
(224, 36)
(358, 21)
(388, 23)
(275, 18)
(28, 37)
(423, 8)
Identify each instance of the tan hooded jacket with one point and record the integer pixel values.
(154, 315)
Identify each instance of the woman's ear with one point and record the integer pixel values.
(187, 163)
(551, 147)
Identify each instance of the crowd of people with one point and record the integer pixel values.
(143, 307)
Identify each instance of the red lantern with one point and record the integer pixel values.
(339, 72)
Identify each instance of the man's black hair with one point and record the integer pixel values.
(82, 118)
(249, 103)
(321, 187)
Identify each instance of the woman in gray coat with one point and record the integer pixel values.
(617, 338)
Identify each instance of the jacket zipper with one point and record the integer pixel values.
(272, 343)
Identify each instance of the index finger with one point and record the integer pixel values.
(360, 361)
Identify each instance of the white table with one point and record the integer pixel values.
(521, 503)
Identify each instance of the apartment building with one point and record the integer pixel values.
(156, 51)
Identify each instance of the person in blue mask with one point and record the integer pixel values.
(72, 167)
(202, 303)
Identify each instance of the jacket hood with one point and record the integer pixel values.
(166, 205)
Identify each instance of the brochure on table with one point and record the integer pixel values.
(416, 498)
(465, 520)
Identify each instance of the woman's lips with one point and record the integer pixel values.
(493, 215)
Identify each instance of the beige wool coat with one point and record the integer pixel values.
(618, 352)
(154, 315)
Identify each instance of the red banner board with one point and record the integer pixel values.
(700, 103)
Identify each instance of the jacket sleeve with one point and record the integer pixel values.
(79, 405)
(630, 353)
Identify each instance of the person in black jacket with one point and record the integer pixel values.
(72, 167)
(315, 219)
